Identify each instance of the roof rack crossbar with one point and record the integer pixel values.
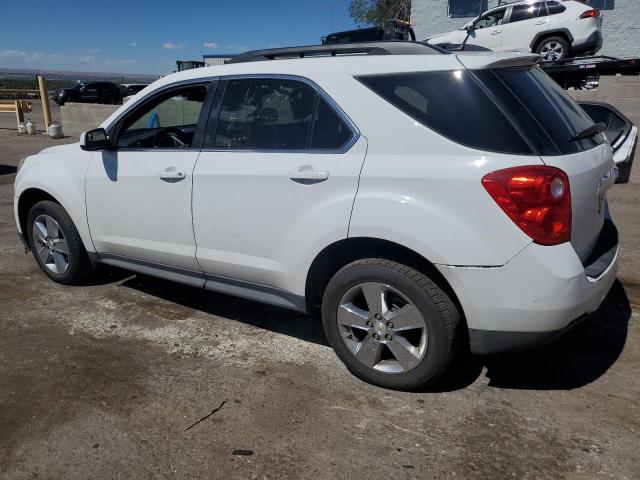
(368, 48)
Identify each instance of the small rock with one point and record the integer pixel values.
(95, 445)
(242, 452)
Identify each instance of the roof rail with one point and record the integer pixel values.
(365, 48)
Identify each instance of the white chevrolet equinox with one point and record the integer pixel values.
(421, 201)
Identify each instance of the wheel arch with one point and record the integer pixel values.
(28, 198)
(342, 252)
(558, 32)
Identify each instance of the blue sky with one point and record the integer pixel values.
(147, 37)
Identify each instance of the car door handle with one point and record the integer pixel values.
(496, 32)
(172, 175)
(307, 175)
(541, 22)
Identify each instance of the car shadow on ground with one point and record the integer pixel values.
(578, 358)
(259, 315)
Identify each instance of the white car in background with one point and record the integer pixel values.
(555, 29)
(412, 201)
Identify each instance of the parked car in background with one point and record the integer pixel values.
(129, 89)
(555, 29)
(392, 30)
(90, 92)
(422, 202)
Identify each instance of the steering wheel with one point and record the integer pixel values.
(176, 136)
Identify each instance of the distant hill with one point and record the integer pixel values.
(23, 74)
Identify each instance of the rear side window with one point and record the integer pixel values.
(277, 114)
(527, 12)
(453, 104)
(553, 8)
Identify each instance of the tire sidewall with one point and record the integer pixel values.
(75, 251)
(438, 349)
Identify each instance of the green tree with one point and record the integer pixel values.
(376, 12)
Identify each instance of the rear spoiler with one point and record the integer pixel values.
(480, 61)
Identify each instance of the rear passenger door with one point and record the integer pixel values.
(523, 24)
(277, 177)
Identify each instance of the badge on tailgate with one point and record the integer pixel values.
(606, 182)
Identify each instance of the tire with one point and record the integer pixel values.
(553, 48)
(406, 295)
(48, 245)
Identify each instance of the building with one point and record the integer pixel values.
(212, 60)
(620, 28)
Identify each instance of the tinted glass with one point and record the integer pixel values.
(169, 121)
(453, 104)
(466, 8)
(602, 4)
(553, 8)
(265, 114)
(491, 19)
(530, 95)
(329, 131)
(525, 12)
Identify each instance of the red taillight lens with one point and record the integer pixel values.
(537, 198)
(589, 14)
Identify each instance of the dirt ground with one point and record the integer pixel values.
(103, 381)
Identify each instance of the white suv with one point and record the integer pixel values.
(555, 29)
(423, 203)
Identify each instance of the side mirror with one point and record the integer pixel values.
(470, 28)
(95, 139)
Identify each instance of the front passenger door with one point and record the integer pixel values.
(139, 194)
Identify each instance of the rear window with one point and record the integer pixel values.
(515, 110)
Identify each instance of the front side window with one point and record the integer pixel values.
(168, 121)
(277, 114)
(466, 8)
(520, 13)
(491, 19)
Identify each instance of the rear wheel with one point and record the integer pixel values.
(553, 48)
(390, 324)
(56, 244)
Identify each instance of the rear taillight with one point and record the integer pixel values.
(590, 14)
(537, 198)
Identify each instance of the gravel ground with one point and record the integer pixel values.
(104, 381)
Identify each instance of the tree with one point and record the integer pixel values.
(377, 12)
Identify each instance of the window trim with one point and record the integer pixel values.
(484, 4)
(209, 136)
(211, 83)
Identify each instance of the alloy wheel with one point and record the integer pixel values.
(50, 244)
(552, 51)
(382, 328)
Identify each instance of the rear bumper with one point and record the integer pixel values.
(591, 45)
(538, 295)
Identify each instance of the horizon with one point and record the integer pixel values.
(129, 46)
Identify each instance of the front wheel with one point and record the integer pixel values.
(56, 244)
(553, 48)
(390, 324)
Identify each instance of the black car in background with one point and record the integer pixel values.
(128, 89)
(90, 92)
(392, 30)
